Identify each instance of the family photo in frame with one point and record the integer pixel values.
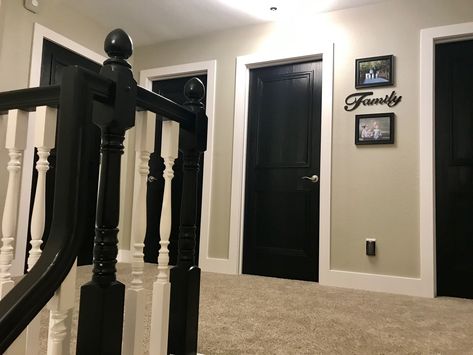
(374, 72)
(374, 128)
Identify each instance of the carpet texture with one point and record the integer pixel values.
(243, 315)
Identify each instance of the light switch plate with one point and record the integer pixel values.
(370, 246)
(32, 5)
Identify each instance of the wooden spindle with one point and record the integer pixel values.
(17, 125)
(102, 299)
(162, 287)
(61, 307)
(44, 140)
(185, 277)
(135, 294)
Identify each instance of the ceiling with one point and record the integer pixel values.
(153, 21)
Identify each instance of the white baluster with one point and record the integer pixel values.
(44, 139)
(133, 334)
(162, 287)
(17, 125)
(61, 307)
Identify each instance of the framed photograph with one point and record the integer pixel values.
(374, 71)
(376, 128)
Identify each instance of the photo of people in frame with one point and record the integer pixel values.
(374, 129)
(374, 71)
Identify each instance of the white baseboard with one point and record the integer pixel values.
(219, 266)
(378, 283)
(124, 256)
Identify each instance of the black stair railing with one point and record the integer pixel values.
(112, 97)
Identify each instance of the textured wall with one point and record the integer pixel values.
(375, 190)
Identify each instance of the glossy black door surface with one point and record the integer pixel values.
(454, 168)
(55, 58)
(281, 207)
(174, 90)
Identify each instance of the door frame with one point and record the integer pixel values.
(429, 37)
(209, 68)
(40, 33)
(243, 66)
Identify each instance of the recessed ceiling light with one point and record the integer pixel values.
(279, 9)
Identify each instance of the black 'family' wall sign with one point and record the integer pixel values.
(356, 99)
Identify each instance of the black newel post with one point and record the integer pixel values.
(185, 276)
(101, 301)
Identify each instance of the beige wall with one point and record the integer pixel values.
(18, 36)
(375, 190)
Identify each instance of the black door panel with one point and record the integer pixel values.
(454, 168)
(281, 208)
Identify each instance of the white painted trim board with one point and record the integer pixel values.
(428, 38)
(243, 66)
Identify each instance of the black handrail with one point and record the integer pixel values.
(31, 294)
(150, 101)
(29, 99)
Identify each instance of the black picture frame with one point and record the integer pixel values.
(374, 128)
(374, 72)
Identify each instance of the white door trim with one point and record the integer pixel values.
(243, 66)
(206, 263)
(428, 38)
(40, 33)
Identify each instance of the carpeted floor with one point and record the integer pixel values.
(265, 316)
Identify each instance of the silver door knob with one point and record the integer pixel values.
(152, 178)
(314, 178)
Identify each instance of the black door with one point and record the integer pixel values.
(281, 206)
(454, 168)
(174, 90)
(55, 58)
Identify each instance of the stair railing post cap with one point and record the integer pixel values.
(194, 90)
(118, 45)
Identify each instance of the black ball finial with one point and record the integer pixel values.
(118, 44)
(194, 90)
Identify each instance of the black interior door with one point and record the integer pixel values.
(454, 168)
(281, 207)
(55, 58)
(174, 90)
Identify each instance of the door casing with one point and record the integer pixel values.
(244, 64)
(206, 263)
(428, 38)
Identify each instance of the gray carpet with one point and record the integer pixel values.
(258, 315)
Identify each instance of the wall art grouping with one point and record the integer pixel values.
(371, 72)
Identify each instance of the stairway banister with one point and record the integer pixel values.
(28, 99)
(35, 289)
